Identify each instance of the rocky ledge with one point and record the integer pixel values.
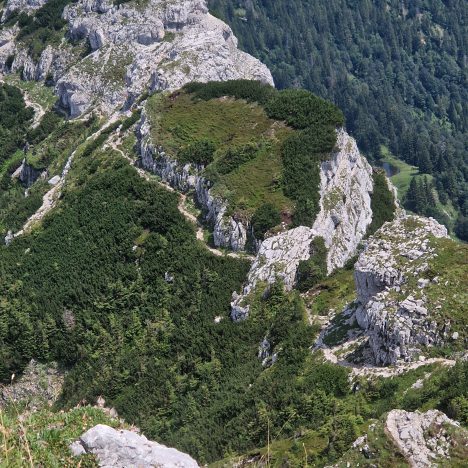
(134, 47)
(345, 214)
(424, 439)
(227, 231)
(390, 277)
(122, 449)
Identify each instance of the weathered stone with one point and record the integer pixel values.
(423, 437)
(27, 6)
(396, 329)
(130, 54)
(122, 449)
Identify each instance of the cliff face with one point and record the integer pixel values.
(134, 47)
(345, 214)
(227, 231)
(391, 277)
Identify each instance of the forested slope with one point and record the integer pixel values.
(397, 69)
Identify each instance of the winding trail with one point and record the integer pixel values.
(357, 338)
(39, 111)
(49, 200)
(182, 205)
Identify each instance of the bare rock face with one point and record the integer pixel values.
(28, 6)
(227, 231)
(122, 449)
(135, 47)
(425, 439)
(396, 318)
(345, 205)
(161, 45)
(345, 213)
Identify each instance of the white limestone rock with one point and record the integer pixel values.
(135, 47)
(345, 206)
(7, 46)
(345, 214)
(397, 322)
(27, 6)
(423, 438)
(131, 54)
(122, 449)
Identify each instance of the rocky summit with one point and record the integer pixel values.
(133, 48)
(391, 278)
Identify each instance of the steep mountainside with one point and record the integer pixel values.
(397, 68)
(109, 54)
(214, 262)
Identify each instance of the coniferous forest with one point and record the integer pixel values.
(397, 69)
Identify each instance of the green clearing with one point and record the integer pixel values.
(178, 121)
(405, 172)
(38, 92)
(450, 292)
(333, 293)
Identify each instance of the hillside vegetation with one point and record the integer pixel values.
(396, 68)
(257, 145)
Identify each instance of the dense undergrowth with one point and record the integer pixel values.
(261, 146)
(14, 119)
(395, 67)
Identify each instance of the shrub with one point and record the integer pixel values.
(200, 152)
(48, 124)
(235, 157)
(252, 91)
(382, 202)
(313, 270)
(331, 379)
(264, 218)
(302, 109)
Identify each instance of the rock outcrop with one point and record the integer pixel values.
(161, 45)
(39, 384)
(134, 47)
(27, 174)
(424, 439)
(28, 6)
(345, 214)
(227, 231)
(123, 449)
(390, 280)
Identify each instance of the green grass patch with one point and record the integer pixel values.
(178, 122)
(451, 290)
(402, 179)
(333, 293)
(42, 438)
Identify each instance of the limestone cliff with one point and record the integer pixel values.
(227, 231)
(134, 47)
(391, 277)
(345, 213)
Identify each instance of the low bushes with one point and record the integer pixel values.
(266, 217)
(199, 152)
(315, 121)
(310, 272)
